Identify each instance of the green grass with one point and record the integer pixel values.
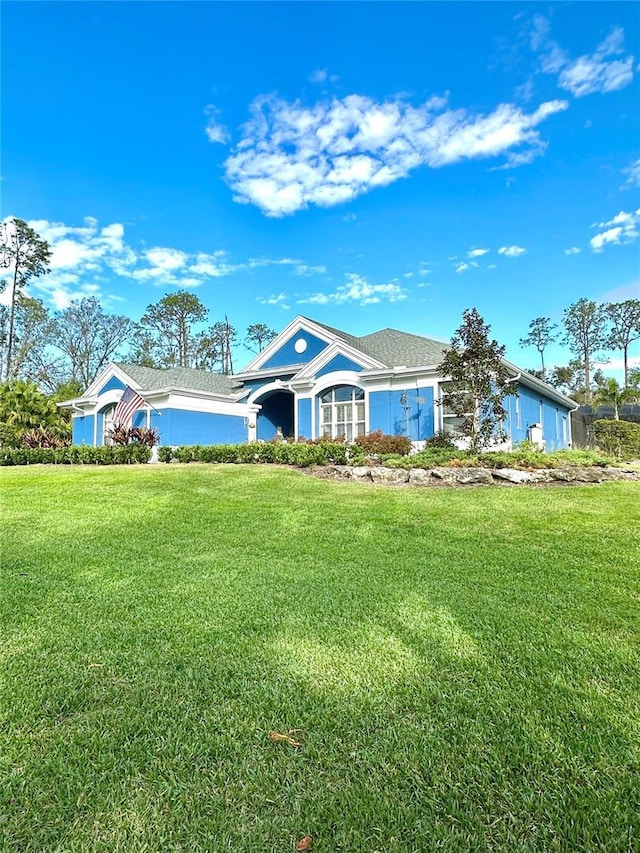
(463, 664)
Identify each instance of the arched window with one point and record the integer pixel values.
(342, 412)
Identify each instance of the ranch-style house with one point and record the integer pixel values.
(311, 381)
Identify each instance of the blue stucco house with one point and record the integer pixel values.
(312, 380)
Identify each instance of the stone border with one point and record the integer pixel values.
(474, 476)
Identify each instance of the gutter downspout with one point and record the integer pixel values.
(516, 378)
(570, 412)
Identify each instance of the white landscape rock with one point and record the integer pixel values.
(380, 474)
(513, 475)
(419, 477)
(464, 476)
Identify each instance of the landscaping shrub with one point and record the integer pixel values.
(133, 435)
(75, 455)
(39, 437)
(165, 454)
(620, 438)
(440, 440)
(377, 444)
(430, 458)
(300, 454)
(522, 457)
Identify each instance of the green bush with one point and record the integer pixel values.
(165, 454)
(521, 457)
(378, 444)
(300, 454)
(440, 440)
(76, 455)
(430, 458)
(619, 438)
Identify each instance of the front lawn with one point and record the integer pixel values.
(463, 666)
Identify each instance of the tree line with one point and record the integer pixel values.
(69, 348)
(590, 331)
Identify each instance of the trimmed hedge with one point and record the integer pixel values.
(620, 438)
(297, 453)
(75, 455)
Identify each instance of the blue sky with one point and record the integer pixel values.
(364, 164)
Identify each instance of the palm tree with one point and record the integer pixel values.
(611, 393)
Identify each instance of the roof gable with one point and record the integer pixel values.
(298, 344)
(338, 356)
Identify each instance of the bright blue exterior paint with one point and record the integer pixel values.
(114, 384)
(304, 418)
(287, 354)
(387, 413)
(179, 427)
(339, 362)
(82, 430)
(536, 408)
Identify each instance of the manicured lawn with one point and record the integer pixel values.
(463, 665)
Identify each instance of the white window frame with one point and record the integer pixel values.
(451, 421)
(351, 426)
(107, 421)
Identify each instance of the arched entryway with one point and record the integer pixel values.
(276, 417)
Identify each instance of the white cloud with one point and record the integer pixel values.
(280, 299)
(589, 73)
(477, 253)
(574, 250)
(462, 267)
(292, 156)
(511, 251)
(358, 289)
(215, 130)
(619, 230)
(634, 175)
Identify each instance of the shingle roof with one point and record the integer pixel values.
(392, 347)
(345, 336)
(396, 349)
(188, 378)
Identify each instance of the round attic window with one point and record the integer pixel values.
(300, 345)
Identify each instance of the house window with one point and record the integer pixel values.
(451, 422)
(107, 423)
(342, 412)
(518, 422)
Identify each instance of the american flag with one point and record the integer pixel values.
(129, 403)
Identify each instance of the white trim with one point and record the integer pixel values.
(340, 377)
(335, 349)
(276, 385)
(298, 324)
(111, 371)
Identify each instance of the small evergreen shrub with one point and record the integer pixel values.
(619, 438)
(441, 441)
(76, 455)
(165, 454)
